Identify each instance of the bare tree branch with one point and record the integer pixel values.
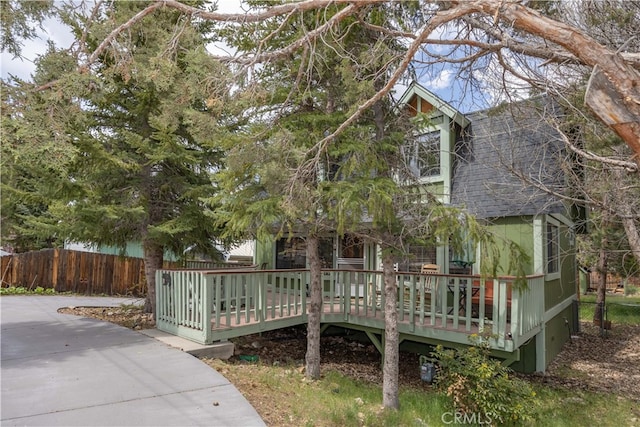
(628, 166)
(309, 36)
(269, 12)
(438, 19)
(131, 22)
(622, 76)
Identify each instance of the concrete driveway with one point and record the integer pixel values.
(64, 370)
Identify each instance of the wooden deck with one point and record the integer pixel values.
(208, 306)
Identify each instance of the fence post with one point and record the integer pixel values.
(158, 294)
(207, 307)
(54, 269)
(518, 297)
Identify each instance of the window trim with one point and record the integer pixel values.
(555, 229)
(412, 154)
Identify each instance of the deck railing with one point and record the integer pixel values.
(212, 305)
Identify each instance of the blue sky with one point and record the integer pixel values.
(441, 80)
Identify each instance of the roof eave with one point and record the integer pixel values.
(415, 89)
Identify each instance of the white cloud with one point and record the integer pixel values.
(442, 81)
(61, 36)
(24, 67)
(19, 67)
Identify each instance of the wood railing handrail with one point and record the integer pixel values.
(189, 300)
(251, 269)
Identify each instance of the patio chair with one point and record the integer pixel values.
(427, 284)
(375, 295)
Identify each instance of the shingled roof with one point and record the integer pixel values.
(515, 137)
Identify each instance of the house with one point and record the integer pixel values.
(468, 161)
(239, 254)
(131, 249)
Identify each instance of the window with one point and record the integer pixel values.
(423, 155)
(292, 253)
(351, 247)
(462, 258)
(553, 248)
(326, 253)
(416, 256)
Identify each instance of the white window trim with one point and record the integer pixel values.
(440, 176)
(555, 275)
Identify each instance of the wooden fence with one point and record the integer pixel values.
(615, 283)
(75, 271)
(79, 272)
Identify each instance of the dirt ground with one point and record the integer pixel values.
(590, 361)
(131, 316)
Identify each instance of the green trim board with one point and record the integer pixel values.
(265, 253)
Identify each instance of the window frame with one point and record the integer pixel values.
(552, 262)
(429, 142)
(291, 254)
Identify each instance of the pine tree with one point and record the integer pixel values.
(281, 178)
(139, 134)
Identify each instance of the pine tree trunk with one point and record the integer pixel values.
(602, 271)
(390, 398)
(626, 212)
(153, 257)
(313, 326)
(633, 234)
(602, 287)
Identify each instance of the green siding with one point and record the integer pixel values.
(518, 230)
(557, 333)
(527, 362)
(265, 254)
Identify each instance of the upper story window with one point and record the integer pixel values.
(553, 248)
(423, 155)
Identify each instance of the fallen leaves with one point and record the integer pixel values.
(129, 316)
(592, 361)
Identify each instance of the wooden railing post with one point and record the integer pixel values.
(159, 297)
(500, 305)
(191, 302)
(519, 298)
(207, 306)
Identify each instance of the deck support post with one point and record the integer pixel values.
(376, 342)
(541, 353)
(514, 357)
